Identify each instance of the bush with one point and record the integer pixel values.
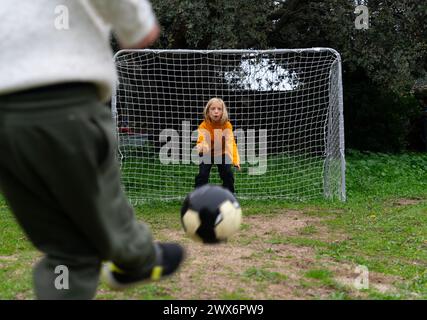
(380, 121)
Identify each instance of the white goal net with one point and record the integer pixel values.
(285, 107)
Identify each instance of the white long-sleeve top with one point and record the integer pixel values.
(46, 42)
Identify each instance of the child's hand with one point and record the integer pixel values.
(237, 166)
(203, 148)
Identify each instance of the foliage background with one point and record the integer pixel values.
(380, 64)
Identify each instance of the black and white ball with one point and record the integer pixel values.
(211, 214)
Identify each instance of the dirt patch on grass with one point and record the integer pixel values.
(9, 258)
(261, 261)
(257, 264)
(355, 278)
(406, 201)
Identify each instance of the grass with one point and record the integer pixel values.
(323, 277)
(239, 294)
(319, 274)
(383, 226)
(308, 230)
(259, 274)
(386, 217)
(145, 177)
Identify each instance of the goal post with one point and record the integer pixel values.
(285, 105)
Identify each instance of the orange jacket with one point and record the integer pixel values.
(221, 137)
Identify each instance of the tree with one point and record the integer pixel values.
(392, 51)
(380, 64)
(201, 24)
(385, 59)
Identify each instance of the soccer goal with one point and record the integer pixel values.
(285, 107)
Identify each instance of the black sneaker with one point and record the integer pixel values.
(168, 258)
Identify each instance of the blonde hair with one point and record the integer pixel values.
(224, 117)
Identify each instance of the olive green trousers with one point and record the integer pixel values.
(61, 178)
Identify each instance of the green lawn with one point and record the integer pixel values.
(383, 226)
(286, 177)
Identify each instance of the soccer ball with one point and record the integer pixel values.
(210, 214)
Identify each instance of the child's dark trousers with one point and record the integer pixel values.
(225, 172)
(60, 176)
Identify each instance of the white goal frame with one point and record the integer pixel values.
(264, 92)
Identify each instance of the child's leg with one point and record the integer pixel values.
(81, 283)
(62, 181)
(226, 174)
(203, 177)
(52, 232)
